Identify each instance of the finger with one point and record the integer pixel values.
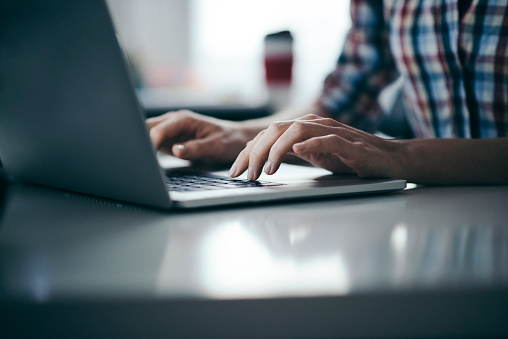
(346, 131)
(321, 120)
(253, 157)
(261, 148)
(298, 132)
(154, 121)
(198, 148)
(331, 143)
(332, 122)
(367, 157)
(241, 163)
(352, 154)
(327, 161)
(257, 152)
(310, 117)
(166, 131)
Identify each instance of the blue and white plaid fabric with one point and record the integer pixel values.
(454, 66)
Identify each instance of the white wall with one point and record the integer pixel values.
(217, 45)
(157, 37)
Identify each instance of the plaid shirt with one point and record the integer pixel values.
(453, 62)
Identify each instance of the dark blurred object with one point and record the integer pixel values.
(395, 123)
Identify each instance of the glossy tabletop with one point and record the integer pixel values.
(426, 261)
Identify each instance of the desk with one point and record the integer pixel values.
(421, 262)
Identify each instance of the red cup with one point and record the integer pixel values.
(279, 58)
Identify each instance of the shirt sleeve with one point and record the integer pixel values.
(364, 68)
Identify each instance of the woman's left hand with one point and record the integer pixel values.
(323, 142)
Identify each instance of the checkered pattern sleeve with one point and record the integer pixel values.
(364, 68)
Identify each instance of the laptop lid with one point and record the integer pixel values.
(69, 117)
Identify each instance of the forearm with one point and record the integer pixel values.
(454, 161)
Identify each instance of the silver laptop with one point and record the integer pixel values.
(70, 119)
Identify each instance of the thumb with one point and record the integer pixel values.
(197, 149)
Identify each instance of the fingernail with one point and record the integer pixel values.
(300, 147)
(233, 170)
(250, 174)
(182, 150)
(268, 167)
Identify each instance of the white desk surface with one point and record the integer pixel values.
(429, 261)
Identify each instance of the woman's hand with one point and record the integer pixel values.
(323, 142)
(191, 136)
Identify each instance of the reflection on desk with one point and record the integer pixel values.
(416, 247)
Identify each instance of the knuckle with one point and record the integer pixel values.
(154, 134)
(278, 126)
(245, 151)
(183, 114)
(151, 120)
(326, 141)
(342, 130)
(360, 143)
(161, 116)
(299, 126)
(334, 137)
(250, 144)
(319, 143)
(156, 131)
(329, 121)
(259, 135)
(310, 117)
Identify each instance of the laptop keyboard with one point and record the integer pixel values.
(181, 182)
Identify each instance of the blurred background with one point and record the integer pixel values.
(210, 53)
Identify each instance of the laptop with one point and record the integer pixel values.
(70, 119)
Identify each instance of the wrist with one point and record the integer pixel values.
(402, 156)
(251, 128)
